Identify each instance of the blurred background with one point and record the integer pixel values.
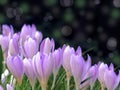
(92, 24)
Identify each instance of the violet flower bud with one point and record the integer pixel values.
(56, 60)
(14, 45)
(68, 51)
(30, 47)
(79, 51)
(42, 65)
(91, 75)
(7, 30)
(25, 32)
(28, 69)
(15, 65)
(9, 87)
(56, 64)
(101, 71)
(4, 42)
(1, 88)
(111, 79)
(47, 46)
(38, 36)
(77, 68)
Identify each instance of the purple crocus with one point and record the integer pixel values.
(1, 87)
(28, 69)
(91, 75)
(77, 69)
(47, 46)
(9, 87)
(111, 79)
(56, 63)
(68, 51)
(15, 65)
(7, 30)
(42, 65)
(30, 47)
(14, 45)
(29, 32)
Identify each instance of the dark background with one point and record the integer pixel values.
(92, 24)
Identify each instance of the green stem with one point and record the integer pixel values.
(53, 84)
(102, 86)
(44, 88)
(68, 83)
(68, 80)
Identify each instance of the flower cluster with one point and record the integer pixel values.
(26, 52)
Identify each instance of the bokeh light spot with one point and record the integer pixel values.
(66, 3)
(68, 16)
(80, 3)
(112, 43)
(3, 2)
(66, 30)
(25, 7)
(116, 3)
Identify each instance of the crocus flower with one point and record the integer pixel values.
(15, 65)
(68, 51)
(1, 88)
(101, 71)
(4, 42)
(77, 69)
(30, 47)
(9, 87)
(28, 69)
(111, 79)
(14, 45)
(30, 31)
(47, 46)
(7, 30)
(79, 51)
(56, 63)
(42, 64)
(90, 77)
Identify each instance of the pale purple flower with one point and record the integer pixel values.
(111, 79)
(77, 68)
(79, 51)
(15, 65)
(87, 65)
(30, 47)
(1, 87)
(7, 30)
(101, 71)
(28, 69)
(47, 46)
(14, 45)
(56, 60)
(43, 65)
(4, 43)
(90, 77)
(67, 53)
(30, 31)
(38, 36)
(9, 87)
